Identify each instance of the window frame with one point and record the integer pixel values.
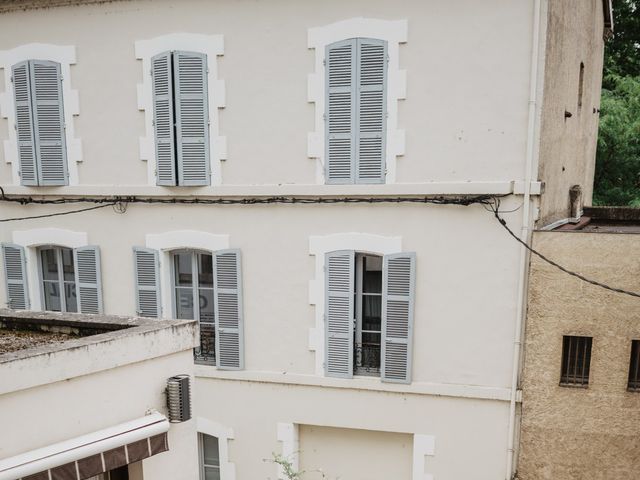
(201, 456)
(61, 281)
(358, 312)
(195, 287)
(571, 380)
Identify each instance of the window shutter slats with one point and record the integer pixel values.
(371, 108)
(192, 118)
(339, 312)
(88, 279)
(228, 310)
(15, 276)
(24, 124)
(49, 122)
(340, 125)
(398, 294)
(163, 118)
(146, 265)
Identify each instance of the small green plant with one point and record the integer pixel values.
(288, 471)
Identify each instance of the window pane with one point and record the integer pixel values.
(206, 304)
(70, 296)
(184, 303)
(52, 296)
(182, 269)
(210, 450)
(371, 312)
(67, 264)
(206, 352)
(372, 275)
(205, 270)
(211, 473)
(49, 264)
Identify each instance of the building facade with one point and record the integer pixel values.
(311, 182)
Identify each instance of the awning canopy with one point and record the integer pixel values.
(89, 455)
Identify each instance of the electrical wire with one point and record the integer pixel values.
(14, 219)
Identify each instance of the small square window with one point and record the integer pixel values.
(576, 361)
(634, 367)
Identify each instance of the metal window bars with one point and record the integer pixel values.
(576, 361)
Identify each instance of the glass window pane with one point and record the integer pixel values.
(211, 473)
(205, 270)
(372, 275)
(182, 269)
(67, 264)
(184, 303)
(49, 264)
(205, 296)
(52, 296)
(371, 312)
(70, 296)
(210, 450)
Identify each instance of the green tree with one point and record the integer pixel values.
(622, 51)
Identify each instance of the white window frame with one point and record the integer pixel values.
(359, 295)
(201, 464)
(394, 32)
(60, 281)
(224, 435)
(32, 241)
(211, 46)
(65, 55)
(319, 246)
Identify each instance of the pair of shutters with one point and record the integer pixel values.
(42, 152)
(181, 118)
(227, 288)
(398, 293)
(355, 119)
(87, 278)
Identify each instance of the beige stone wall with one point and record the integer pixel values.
(355, 454)
(576, 433)
(568, 146)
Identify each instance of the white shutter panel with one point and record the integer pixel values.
(88, 279)
(24, 124)
(163, 120)
(339, 313)
(371, 107)
(147, 282)
(228, 310)
(340, 124)
(49, 122)
(398, 294)
(15, 276)
(192, 118)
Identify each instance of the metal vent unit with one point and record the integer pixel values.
(179, 398)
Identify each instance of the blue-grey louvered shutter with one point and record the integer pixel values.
(21, 79)
(340, 112)
(398, 296)
(192, 118)
(15, 276)
(163, 120)
(48, 114)
(371, 111)
(147, 266)
(339, 312)
(88, 279)
(228, 310)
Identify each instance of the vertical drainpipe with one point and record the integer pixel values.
(525, 233)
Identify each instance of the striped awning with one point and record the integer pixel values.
(92, 454)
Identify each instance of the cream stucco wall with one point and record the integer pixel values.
(568, 145)
(576, 433)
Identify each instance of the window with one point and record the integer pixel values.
(58, 279)
(209, 457)
(356, 116)
(181, 118)
(71, 279)
(576, 360)
(369, 314)
(580, 85)
(634, 367)
(40, 125)
(194, 298)
(368, 302)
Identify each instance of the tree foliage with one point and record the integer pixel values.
(617, 178)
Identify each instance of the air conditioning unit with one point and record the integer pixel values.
(179, 398)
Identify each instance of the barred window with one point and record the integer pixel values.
(634, 367)
(576, 360)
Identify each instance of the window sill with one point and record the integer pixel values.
(359, 383)
(573, 385)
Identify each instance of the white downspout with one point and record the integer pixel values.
(525, 235)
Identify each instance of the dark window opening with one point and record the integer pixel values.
(368, 311)
(576, 360)
(580, 84)
(634, 367)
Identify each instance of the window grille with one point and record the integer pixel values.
(576, 360)
(634, 367)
